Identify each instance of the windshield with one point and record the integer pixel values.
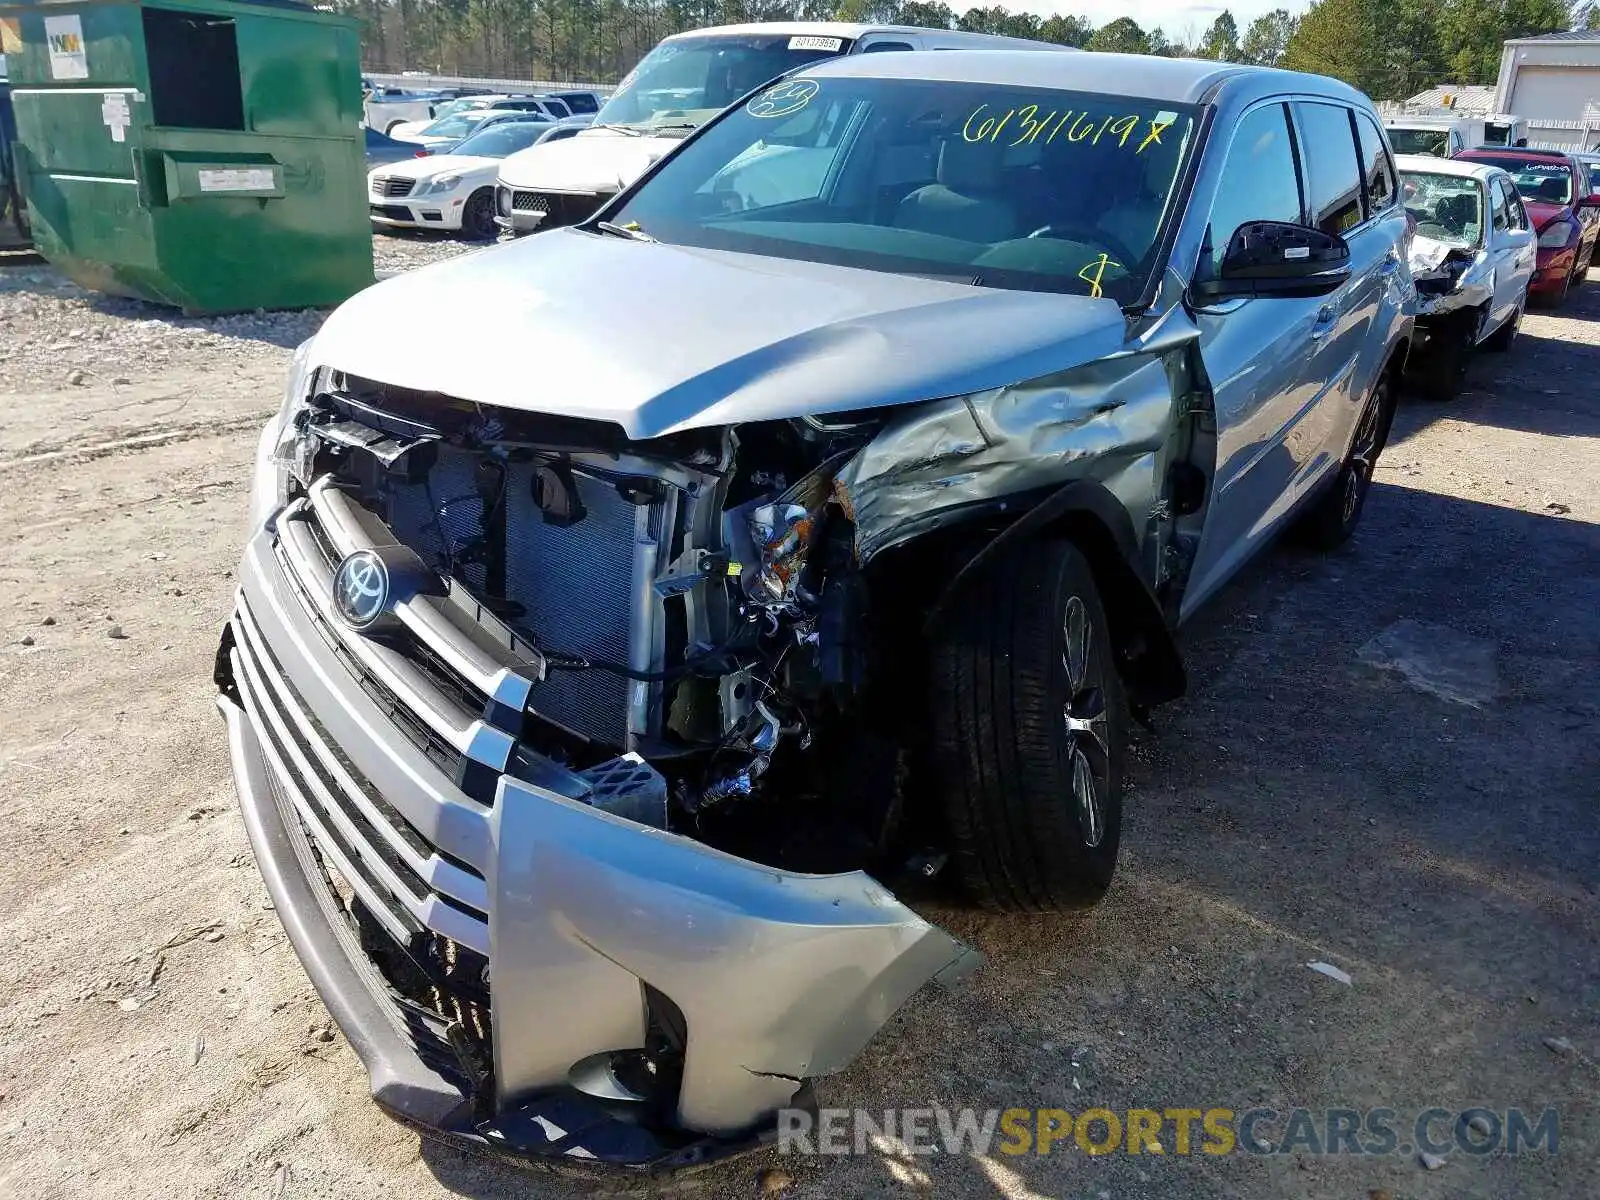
(465, 104)
(1541, 179)
(1025, 188)
(501, 139)
(1448, 208)
(1420, 141)
(455, 125)
(687, 81)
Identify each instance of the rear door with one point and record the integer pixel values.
(1341, 360)
(1510, 252)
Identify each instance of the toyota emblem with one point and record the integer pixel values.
(361, 589)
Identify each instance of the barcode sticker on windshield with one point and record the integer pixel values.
(831, 45)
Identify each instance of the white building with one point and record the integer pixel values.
(1553, 81)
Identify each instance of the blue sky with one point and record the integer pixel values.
(1176, 17)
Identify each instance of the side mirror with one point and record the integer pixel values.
(1592, 200)
(1276, 258)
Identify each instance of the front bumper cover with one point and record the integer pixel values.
(780, 978)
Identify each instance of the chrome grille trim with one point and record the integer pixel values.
(471, 640)
(347, 846)
(276, 699)
(392, 185)
(468, 734)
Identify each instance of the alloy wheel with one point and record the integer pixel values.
(1364, 452)
(1085, 719)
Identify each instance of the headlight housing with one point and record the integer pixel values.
(278, 451)
(443, 183)
(1558, 235)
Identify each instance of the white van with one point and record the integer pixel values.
(681, 84)
(1444, 136)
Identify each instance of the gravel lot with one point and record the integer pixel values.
(158, 1037)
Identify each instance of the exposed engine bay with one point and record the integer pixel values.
(694, 603)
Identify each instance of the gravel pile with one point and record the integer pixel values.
(52, 330)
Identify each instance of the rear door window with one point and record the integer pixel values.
(1375, 166)
(1333, 173)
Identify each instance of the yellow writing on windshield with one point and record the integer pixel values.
(1094, 271)
(1031, 123)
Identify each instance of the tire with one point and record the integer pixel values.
(1334, 515)
(477, 218)
(1027, 737)
(1505, 337)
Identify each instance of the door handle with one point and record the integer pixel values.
(1326, 316)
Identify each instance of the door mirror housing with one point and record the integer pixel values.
(1277, 258)
(1592, 200)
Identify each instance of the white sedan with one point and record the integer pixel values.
(447, 131)
(452, 191)
(1472, 255)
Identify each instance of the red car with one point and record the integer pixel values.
(1555, 190)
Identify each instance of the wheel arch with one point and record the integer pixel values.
(944, 561)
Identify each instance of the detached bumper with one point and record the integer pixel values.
(585, 922)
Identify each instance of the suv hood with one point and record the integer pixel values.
(597, 160)
(659, 338)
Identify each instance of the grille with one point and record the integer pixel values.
(559, 208)
(392, 185)
(395, 212)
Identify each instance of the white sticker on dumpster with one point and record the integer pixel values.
(236, 179)
(116, 116)
(68, 59)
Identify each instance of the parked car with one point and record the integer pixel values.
(591, 656)
(383, 149)
(581, 103)
(1555, 191)
(677, 87)
(1472, 258)
(554, 110)
(447, 131)
(387, 107)
(452, 190)
(1443, 135)
(564, 129)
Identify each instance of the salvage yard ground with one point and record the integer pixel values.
(1316, 798)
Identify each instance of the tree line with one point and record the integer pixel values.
(1389, 49)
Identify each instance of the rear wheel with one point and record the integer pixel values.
(1029, 721)
(477, 218)
(1336, 513)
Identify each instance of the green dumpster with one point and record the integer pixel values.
(199, 153)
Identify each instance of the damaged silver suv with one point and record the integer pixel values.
(816, 515)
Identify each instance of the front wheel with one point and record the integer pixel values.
(477, 218)
(1333, 517)
(1029, 721)
(1503, 338)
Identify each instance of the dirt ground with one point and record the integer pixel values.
(158, 1037)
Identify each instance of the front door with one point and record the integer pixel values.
(1254, 353)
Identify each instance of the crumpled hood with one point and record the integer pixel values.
(598, 160)
(660, 338)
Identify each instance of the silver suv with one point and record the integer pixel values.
(816, 515)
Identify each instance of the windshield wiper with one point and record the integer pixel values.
(630, 130)
(630, 231)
